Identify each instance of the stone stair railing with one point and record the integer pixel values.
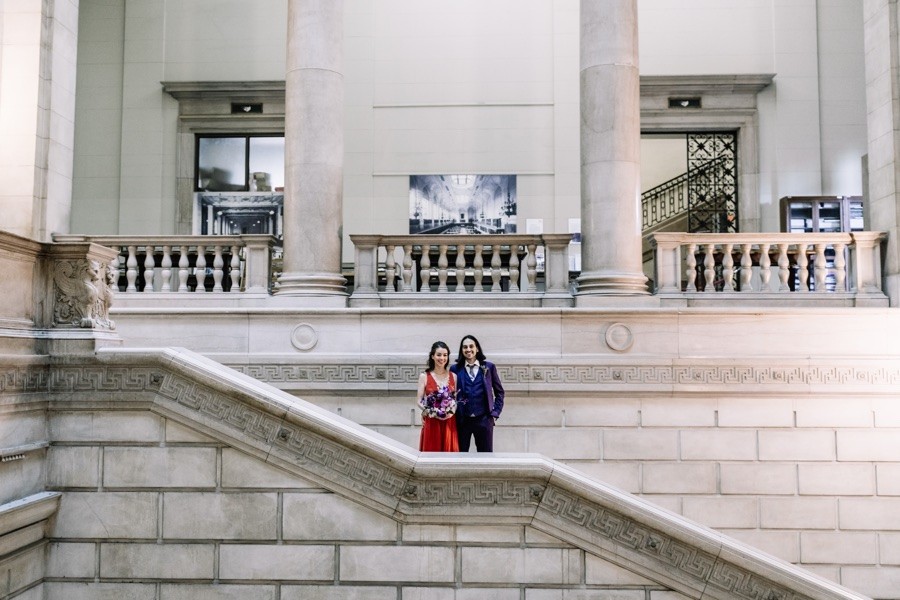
(841, 268)
(189, 264)
(396, 270)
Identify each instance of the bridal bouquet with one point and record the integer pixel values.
(439, 405)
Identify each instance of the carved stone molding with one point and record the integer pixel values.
(784, 375)
(595, 518)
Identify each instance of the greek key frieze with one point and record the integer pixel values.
(590, 375)
(102, 378)
(479, 492)
(24, 379)
(692, 563)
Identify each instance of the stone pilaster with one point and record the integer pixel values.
(314, 151)
(883, 126)
(610, 151)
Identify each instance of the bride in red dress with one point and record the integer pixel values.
(436, 396)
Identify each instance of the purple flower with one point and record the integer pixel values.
(440, 404)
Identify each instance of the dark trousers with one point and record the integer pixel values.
(481, 428)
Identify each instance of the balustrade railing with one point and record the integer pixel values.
(189, 264)
(399, 269)
(738, 265)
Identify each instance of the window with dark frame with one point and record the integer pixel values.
(239, 163)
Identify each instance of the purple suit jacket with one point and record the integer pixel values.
(495, 391)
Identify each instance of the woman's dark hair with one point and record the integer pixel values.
(434, 348)
(479, 355)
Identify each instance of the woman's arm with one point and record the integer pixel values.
(420, 391)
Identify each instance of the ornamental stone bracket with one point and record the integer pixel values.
(410, 486)
(81, 286)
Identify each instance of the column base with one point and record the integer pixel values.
(311, 284)
(612, 283)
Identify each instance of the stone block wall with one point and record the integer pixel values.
(154, 510)
(813, 479)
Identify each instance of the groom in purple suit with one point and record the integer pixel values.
(480, 396)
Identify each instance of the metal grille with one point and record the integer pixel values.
(712, 182)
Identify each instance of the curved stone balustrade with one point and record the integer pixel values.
(395, 270)
(816, 267)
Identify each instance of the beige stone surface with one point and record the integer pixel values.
(758, 478)
(242, 471)
(598, 571)
(145, 561)
(71, 560)
(286, 562)
(575, 443)
(106, 427)
(107, 515)
(529, 565)
(837, 479)
(640, 444)
(794, 445)
(722, 512)
(782, 544)
(425, 564)
(204, 591)
(77, 466)
(230, 516)
(22, 570)
(331, 517)
(100, 591)
(719, 444)
(159, 467)
(343, 592)
(869, 513)
(678, 478)
(798, 513)
(845, 548)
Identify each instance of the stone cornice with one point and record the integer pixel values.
(395, 480)
(690, 85)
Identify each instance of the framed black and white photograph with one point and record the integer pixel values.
(462, 204)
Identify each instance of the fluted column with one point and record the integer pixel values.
(610, 151)
(314, 150)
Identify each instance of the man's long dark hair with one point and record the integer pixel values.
(434, 348)
(479, 355)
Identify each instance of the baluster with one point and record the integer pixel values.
(131, 272)
(479, 268)
(531, 268)
(460, 268)
(765, 268)
(709, 268)
(784, 270)
(218, 266)
(149, 264)
(183, 264)
(390, 268)
(496, 274)
(514, 268)
(235, 271)
(746, 268)
(802, 268)
(840, 268)
(727, 268)
(407, 268)
(691, 264)
(821, 270)
(200, 269)
(167, 269)
(425, 273)
(443, 262)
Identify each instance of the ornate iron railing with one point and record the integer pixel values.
(670, 199)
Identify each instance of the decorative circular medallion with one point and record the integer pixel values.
(619, 337)
(304, 337)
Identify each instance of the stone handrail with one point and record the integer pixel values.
(189, 263)
(432, 489)
(393, 269)
(819, 265)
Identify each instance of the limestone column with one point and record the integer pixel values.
(882, 58)
(610, 151)
(314, 150)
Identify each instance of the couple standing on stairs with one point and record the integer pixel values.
(459, 402)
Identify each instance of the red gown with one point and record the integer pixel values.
(438, 435)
